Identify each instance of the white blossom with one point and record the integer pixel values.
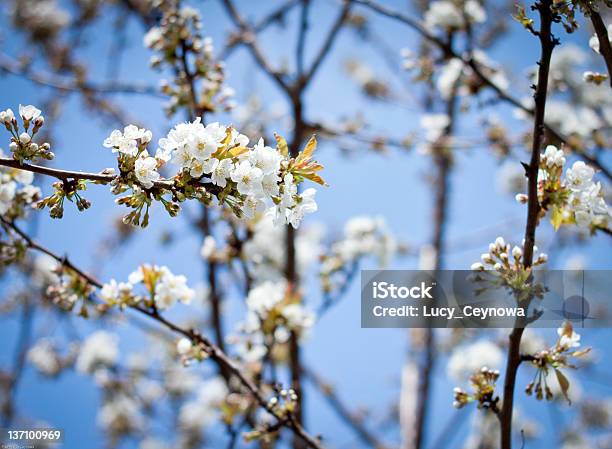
(466, 359)
(247, 177)
(145, 170)
(44, 357)
(100, 349)
(29, 112)
(171, 288)
(594, 40)
(184, 346)
(128, 141)
(554, 156)
(208, 247)
(120, 414)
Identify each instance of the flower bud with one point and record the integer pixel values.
(500, 243)
(24, 138)
(477, 267)
(184, 346)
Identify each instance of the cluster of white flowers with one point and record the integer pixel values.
(577, 198)
(203, 409)
(275, 311)
(22, 146)
(455, 75)
(16, 190)
(44, 357)
(466, 359)
(179, 31)
(503, 257)
(161, 285)
(129, 141)
(586, 201)
(433, 126)
(99, 351)
(266, 258)
(42, 18)
(451, 15)
(256, 173)
(594, 40)
(362, 237)
(120, 415)
(250, 180)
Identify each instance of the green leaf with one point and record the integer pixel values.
(281, 145)
(564, 384)
(556, 217)
(310, 147)
(521, 17)
(237, 151)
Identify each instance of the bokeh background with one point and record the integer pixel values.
(365, 364)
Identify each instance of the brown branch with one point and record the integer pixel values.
(443, 162)
(328, 43)
(214, 352)
(547, 44)
(65, 175)
(249, 38)
(474, 65)
(605, 49)
(301, 41)
(276, 15)
(12, 67)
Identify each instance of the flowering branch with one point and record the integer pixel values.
(214, 352)
(547, 43)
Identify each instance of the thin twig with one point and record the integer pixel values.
(7, 65)
(328, 42)
(249, 39)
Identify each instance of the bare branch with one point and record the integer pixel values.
(249, 39)
(13, 67)
(328, 43)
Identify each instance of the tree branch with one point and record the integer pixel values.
(214, 352)
(14, 68)
(249, 39)
(328, 43)
(547, 44)
(605, 49)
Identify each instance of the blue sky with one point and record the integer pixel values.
(364, 363)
